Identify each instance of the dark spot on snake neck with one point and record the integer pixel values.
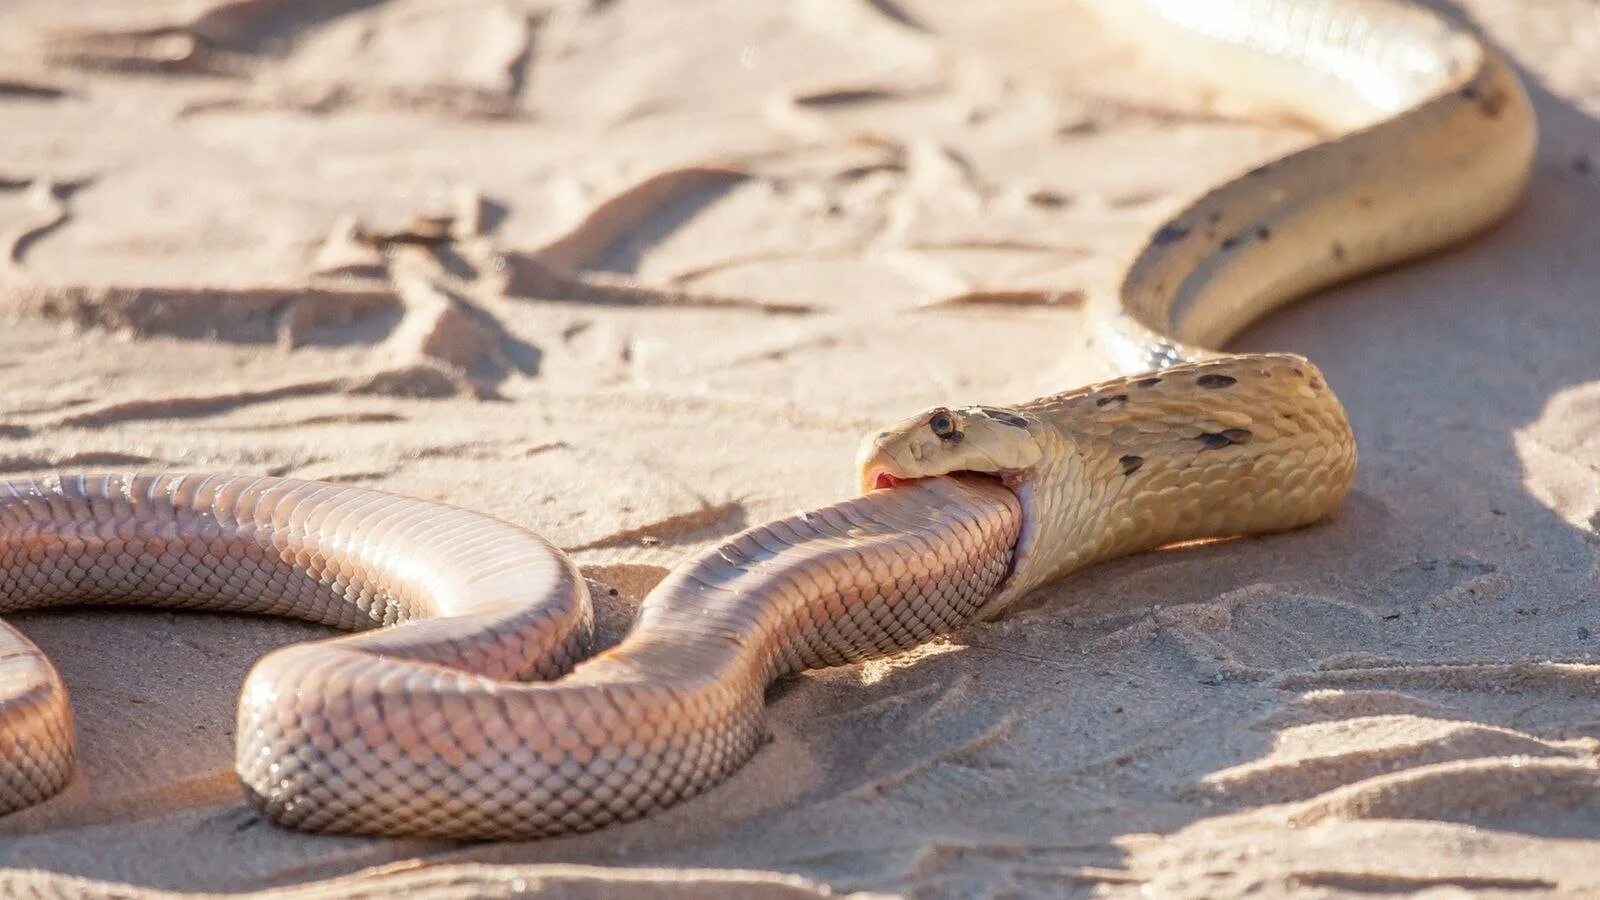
(1216, 440)
(1490, 103)
(1214, 218)
(1131, 463)
(1231, 241)
(1107, 401)
(1338, 251)
(1264, 233)
(1004, 417)
(1167, 234)
(1215, 381)
(1152, 381)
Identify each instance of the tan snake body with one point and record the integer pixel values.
(432, 727)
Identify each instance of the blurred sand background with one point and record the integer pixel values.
(639, 274)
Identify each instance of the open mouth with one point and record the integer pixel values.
(885, 480)
(881, 479)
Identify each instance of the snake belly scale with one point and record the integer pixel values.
(464, 706)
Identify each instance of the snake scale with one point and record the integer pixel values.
(475, 714)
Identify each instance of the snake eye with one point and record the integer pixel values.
(943, 425)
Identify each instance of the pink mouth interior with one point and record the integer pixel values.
(1009, 477)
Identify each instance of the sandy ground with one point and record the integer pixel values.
(638, 274)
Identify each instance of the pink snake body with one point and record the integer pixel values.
(447, 724)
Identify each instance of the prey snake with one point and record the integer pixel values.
(475, 714)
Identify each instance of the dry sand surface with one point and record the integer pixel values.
(639, 274)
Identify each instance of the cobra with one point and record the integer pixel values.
(474, 713)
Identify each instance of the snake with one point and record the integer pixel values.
(467, 702)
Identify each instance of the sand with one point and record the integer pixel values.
(640, 274)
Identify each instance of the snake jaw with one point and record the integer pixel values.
(879, 477)
(1014, 478)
